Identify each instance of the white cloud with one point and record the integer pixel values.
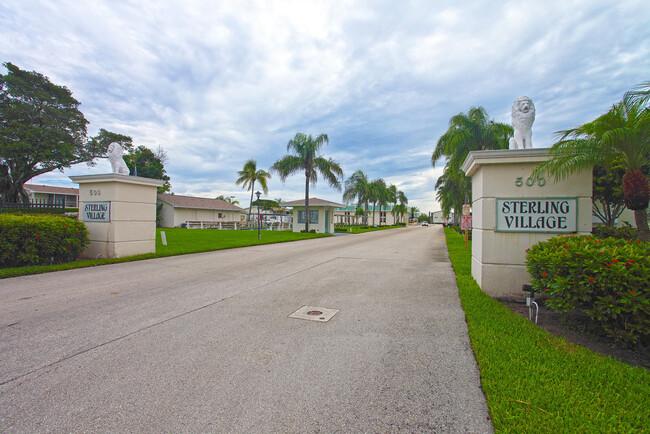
(218, 83)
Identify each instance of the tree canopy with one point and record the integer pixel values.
(471, 131)
(247, 177)
(357, 189)
(141, 161)
(623, 134)
(305, 157)
(229, 199)
(41, 129)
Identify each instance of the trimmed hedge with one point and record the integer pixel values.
(40, 239)
(623, 233)
(607, 279)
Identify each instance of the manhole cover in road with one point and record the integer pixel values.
(312, 313)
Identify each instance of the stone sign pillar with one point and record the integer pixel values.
(119, 212)
(511, 211)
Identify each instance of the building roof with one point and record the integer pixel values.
(313, 201)
(179, 201)
(51, 189)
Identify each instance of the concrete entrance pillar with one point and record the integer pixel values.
(511, 211)
(119, 212)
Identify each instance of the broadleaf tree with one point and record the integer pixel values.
(142, 161)
(41, 130)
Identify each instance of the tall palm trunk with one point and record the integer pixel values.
(250, 208)
(365, 214)
(307, 201)
(641, 220)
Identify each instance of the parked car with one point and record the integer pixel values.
(425, 223)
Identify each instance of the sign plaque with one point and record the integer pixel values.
(466, 222)
(466, 209)
(555, 215)
(97, 212)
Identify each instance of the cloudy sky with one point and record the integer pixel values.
(216, 83)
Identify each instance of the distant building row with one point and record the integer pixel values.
(177, 210)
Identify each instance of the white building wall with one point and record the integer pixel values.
(175, 217)
(321, 225)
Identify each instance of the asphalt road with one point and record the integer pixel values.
(204, 342)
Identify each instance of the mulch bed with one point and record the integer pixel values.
(576, 330)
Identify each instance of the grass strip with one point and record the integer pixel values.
(360, 230)
(536, 382)
(179, 242)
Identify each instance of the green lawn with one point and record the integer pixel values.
(536, 382)
(179, 242)
(182, 241)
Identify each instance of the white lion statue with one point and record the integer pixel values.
(523, 116)
(115, 152)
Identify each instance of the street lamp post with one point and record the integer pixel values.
(259, 220)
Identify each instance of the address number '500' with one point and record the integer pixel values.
(530, 181)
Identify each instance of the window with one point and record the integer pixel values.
(382, 216)
(313, 216)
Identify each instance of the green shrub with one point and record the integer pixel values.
(624, 233)
(40, 239)
(607, 279)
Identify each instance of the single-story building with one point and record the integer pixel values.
(380, 216)
(321, 216)
(175, 210)
(50, 194)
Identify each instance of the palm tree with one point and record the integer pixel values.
(473, 131)
(413, 210)
(229, 199)
(384, 198)
(451, 188)
(306, 157)
(247, 177)
(642, 94)
(356, 189)
(392, 195)
(624, 131)
(403, 201)
(377, 192)
(400, 210)
(359, 212)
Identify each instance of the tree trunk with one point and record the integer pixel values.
(13, 192)
(306, 201)
(250, 209)
(641, 220)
